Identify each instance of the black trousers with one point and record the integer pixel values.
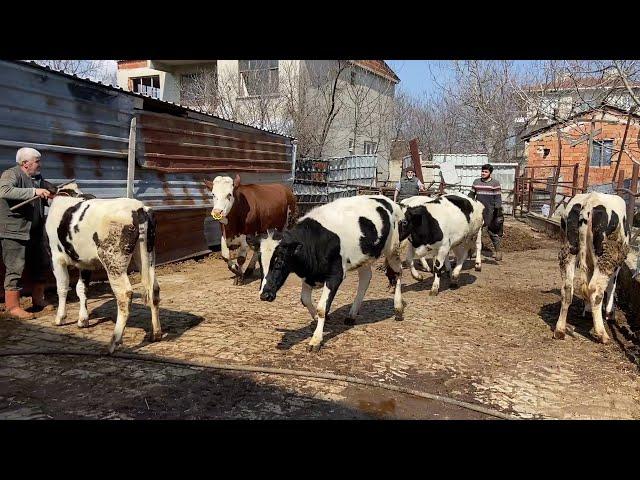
(494, 223)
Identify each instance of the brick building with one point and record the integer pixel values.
(541, 145)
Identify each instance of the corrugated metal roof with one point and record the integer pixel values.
(147, 98)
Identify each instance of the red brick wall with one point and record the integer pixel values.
(578, 153)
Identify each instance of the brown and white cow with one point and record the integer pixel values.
(595, 234)
(248, 210)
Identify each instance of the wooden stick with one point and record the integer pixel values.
(15, 207)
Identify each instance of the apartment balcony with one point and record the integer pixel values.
(153, 92)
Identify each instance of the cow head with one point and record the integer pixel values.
(411, 222)
(72, 190)
(222, 189)
(284, 254)
(264, 245)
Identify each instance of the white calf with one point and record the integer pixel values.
(88, 234)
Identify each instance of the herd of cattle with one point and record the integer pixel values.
(323, 245)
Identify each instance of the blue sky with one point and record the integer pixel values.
(416, 79)
(414, 75)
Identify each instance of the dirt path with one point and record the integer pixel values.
(489, 342)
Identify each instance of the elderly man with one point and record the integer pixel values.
(408, 186)
(21, 231)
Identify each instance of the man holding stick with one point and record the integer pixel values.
(22, 231)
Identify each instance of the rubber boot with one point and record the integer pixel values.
(38, 301)
(12, 305)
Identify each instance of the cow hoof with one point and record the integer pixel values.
(558, 334)
(313, 348)
(418, 278)
(349, 321)
(83, 323)
(399, 315)
(604, 339)
(478, 268)
(59, 320)
(156, 336)
(433, 293)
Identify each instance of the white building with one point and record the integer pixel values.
(294, 97)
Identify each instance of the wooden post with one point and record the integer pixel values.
(632, 198)
(554, 189)
(515, 191)
(585, 181)
(415, 157)
(531, 178)
(624, 139)
(131, 161)
(574, 186)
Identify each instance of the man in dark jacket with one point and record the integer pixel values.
(489, 192)
(408, 186)
(22, 231)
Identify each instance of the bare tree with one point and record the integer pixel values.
(98, 70)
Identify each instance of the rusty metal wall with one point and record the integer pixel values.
(82, 130)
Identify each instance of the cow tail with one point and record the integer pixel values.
(584, 228)
(148, 257)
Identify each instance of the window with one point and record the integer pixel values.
(352, 80)
(546, 152)
(146, 85)
(351, 146)
(370, 148)
(601, 153)
(258, 77)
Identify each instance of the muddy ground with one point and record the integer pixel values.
(488, 343)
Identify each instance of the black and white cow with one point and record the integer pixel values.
(346, 234)
(414, 202)
(89, 233)
(595, 233)
(439, 225)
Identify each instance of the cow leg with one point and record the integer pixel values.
(124, 293)
(425, 264)
(364, 277)
(305, 298)
(394, 274)
(447, 265)
(62, 283)
(81, 290)
(597, 286)
(438, 267)
(232, 264)
(611, 291)
(252, 263)
(461, 253)
(479, 251)
(414, 272)
(324, 305)
(567, 272)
